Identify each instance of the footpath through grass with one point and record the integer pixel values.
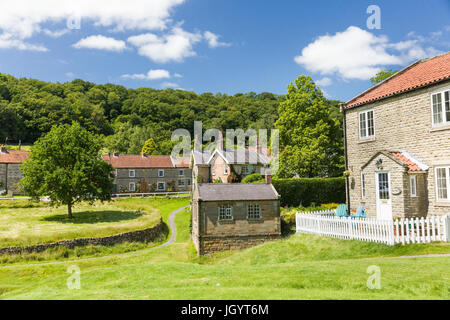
(298, 267)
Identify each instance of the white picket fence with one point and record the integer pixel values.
(402, 231)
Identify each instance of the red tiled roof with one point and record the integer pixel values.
(419, 74)
(137, 161)
(13, 156)
(412, 166)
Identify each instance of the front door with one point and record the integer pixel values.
(384, 201)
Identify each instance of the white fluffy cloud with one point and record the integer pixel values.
(213, 40)
(7, 42)
(324, 82)
(101, 43)
(151, 75)
(174, 46)
(358, 54)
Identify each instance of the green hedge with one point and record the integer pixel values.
(254, 177)
(304, 192)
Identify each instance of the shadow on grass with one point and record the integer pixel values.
(94, 217)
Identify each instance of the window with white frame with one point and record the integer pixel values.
(189, 182)
(131, 173)
(254, 211)
(413, 185)
(213, 170)
(132, 187)
(244, 170)
(443, 183)
(225, 212)
(366, 124)
(181, 173)
(225, 169)
(441, 107)
(116, 172)
(161, 186)
(363, 185)
(181, 183)
(160, 173)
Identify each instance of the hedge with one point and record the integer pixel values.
(254, 177)
(305, 192)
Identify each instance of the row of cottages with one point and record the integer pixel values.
(10, 173)
(397, 138)
(148, 174)
(228, 215)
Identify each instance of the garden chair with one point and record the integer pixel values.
(341, 210)
(361, 213)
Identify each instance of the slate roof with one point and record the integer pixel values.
(13, 156)
(201, 158)
(138, 161)
(243, 156)
(419, 74)
(236, 192)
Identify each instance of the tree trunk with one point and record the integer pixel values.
(69, 210)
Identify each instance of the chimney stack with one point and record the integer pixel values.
(3, 149)
(268, 176)
(219, 144)
(115, 154)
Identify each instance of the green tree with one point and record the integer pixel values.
(150, 147)
(311, 141)
(65, 165)
(382, 75)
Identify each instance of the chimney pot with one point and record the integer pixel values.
(268, 176)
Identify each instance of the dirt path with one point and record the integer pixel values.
(173, 236)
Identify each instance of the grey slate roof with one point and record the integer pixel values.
(236, 191)
(201, 157)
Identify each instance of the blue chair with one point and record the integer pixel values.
(361, 213)
(341, 210)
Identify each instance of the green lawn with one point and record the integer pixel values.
(298, 267)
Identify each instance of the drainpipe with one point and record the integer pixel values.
(347, 183)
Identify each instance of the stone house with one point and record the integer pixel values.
(10, 173)
(234, 216)
(148, 174)
(227, 166)
(397, 143)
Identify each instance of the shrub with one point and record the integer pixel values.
(254, 177)
(305, 192)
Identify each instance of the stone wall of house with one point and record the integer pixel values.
(10, 176)
(151, 179)
(211, 244)
(404, 123)
(146, 235)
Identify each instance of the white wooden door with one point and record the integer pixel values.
(384, 201)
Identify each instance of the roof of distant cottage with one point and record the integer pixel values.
(419, 74)
(138, 161)
(13, 156)
(237, 192)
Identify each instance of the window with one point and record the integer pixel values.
(413, 186)
(244, 170)
(225, 169)
(366, 124)
(443, 183)
(116, 172)
(160, 173)
(189, 182)
(132, 187)
(253, 211)
(213, 170)
(441, 107)
(181, 173)
(225, 213)
(131, 173)
(161, 186)
(363, 185)
(181, 183)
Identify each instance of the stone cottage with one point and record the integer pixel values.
(397, 143)
(234, 216)
(148, 174)
(10, 173)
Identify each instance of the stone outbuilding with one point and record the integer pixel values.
(10, 174)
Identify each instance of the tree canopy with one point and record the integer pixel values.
(382, 75)
(66, 166)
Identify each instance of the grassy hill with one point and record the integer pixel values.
(298, 267)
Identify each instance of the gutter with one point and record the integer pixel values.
(347, 182)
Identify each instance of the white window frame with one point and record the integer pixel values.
(447, 176)
(366, 122)
(246, 171)
(181, 173)
(445, 118)
(213, 169)
(225, 212)
(116, 172)
(413, 185)
(131, 175)
(157, 186)
(254, 212)
(132, 189)
(189, 182)
(225, 169)
(159, 173)
(363, 185)
(181, 183)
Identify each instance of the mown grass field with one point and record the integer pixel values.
(298, 267)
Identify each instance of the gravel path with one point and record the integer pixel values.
(173, 236)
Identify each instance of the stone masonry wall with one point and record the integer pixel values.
(210, 244)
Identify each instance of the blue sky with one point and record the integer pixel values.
(218, 46)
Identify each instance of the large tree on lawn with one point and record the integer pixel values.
(66, 166)
(311, 142)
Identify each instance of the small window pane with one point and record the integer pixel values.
(363, 185)
(442, 187)
(225, 213)
(437, 108)
(362, 125)
(254, 211)
(413, 184)
(447, 105)
(370, 124)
